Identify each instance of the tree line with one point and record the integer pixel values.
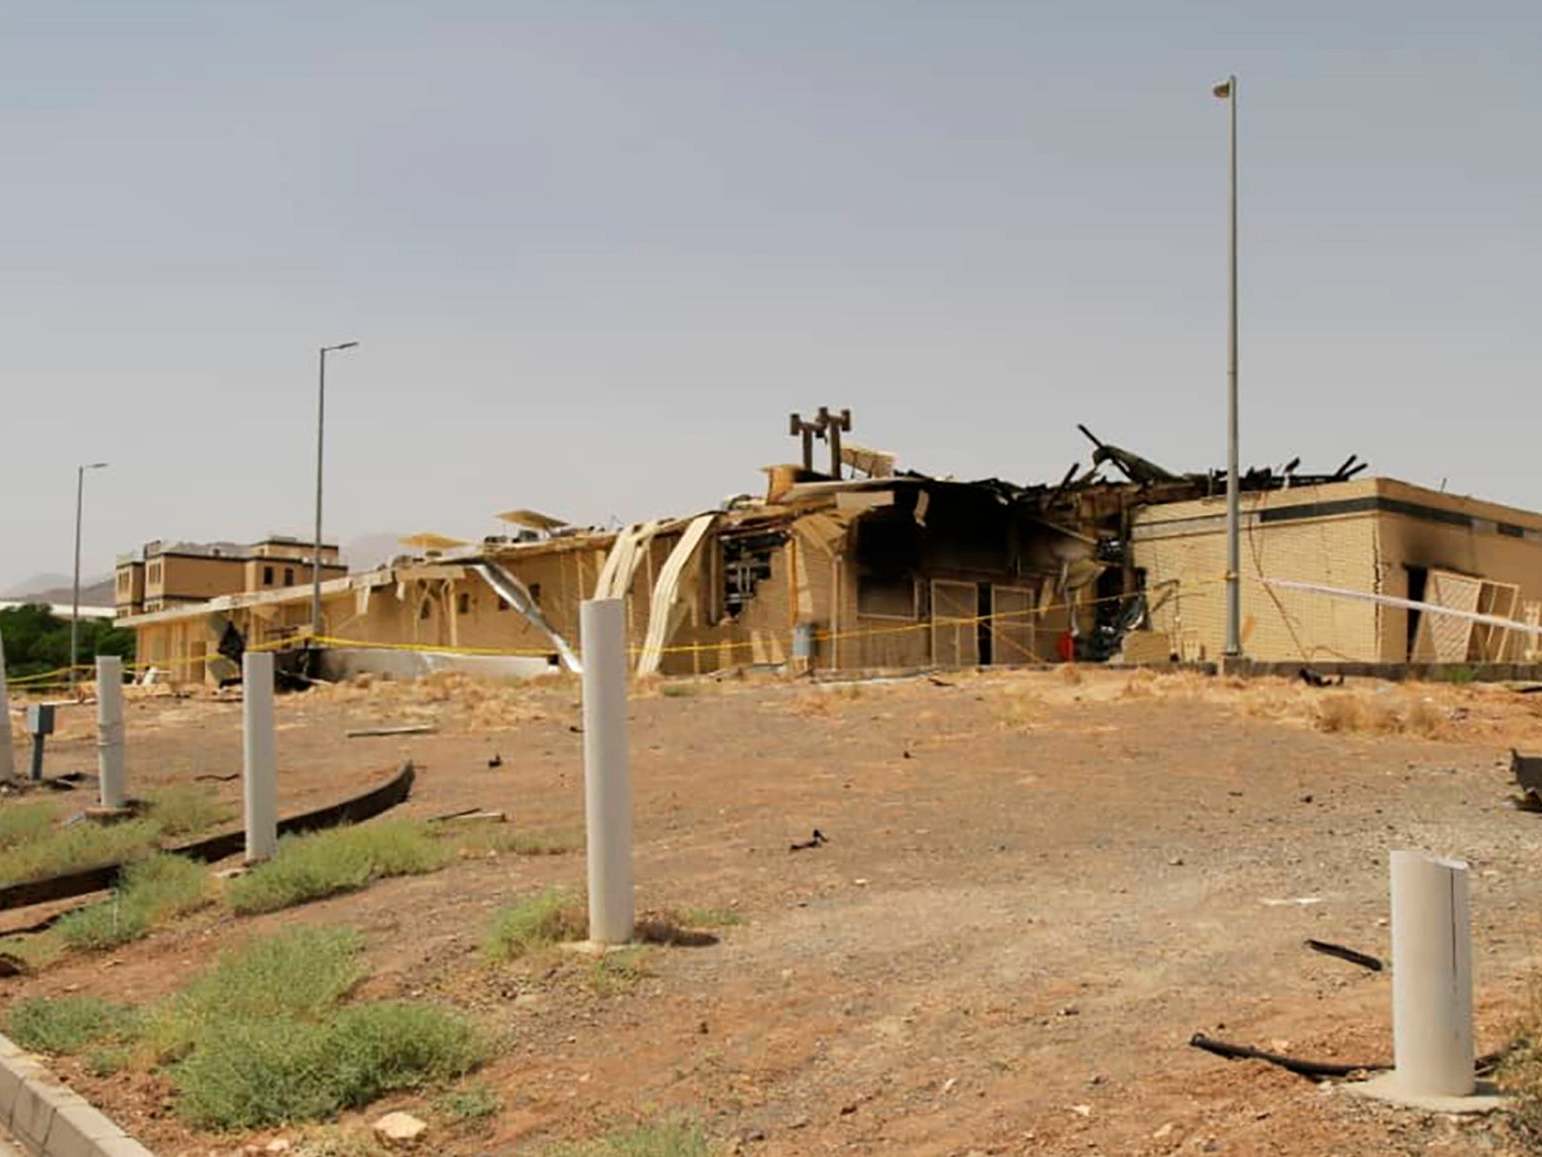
(37, 640)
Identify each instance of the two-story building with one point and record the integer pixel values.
(163, 575)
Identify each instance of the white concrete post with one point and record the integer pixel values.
(1431, 977)
(109, 730)
(607, 778)
(259, 778)
(7, 757)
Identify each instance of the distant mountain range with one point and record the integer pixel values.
(59, 588)
(361, 554)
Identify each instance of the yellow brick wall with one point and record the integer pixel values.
(1187, 541)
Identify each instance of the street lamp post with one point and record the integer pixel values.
(321, 417)
(80, 490)
(1227, 91)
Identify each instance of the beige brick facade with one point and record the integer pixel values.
(1361, 535)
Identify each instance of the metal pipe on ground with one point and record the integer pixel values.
(109, 731)
(607, 777)
(258, 751)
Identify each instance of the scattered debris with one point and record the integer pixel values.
(1313, 679)
(936, 682)
(496, 760)
(12, 965)
(405, 729)
(210, 777)
(1349, 954)
(1303, 901)
(496, 817)
(399, 1128)
(812, 842)
(1527, 770)
(1316, 1070)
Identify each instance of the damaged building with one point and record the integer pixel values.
(851, 563)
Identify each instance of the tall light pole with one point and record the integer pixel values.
(321, 420)
(80, 491)
(1227, 91)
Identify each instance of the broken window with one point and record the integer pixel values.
(267, 576)
(289, 576)
(535, 593)
(746, 563)
(503, 603)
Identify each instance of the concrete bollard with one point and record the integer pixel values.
(1431, 976)
(7, 756)
(109, 730)
(259, 778)
(607, 777)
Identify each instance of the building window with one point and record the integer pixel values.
(503, 603)
(535, 593)
(745, 563)
(155, 572)
(289, 576)
(425, 609)
(463, 604)
(267, 576)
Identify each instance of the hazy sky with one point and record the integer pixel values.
(596, 252)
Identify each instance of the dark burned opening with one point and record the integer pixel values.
(1418, 579)
(888, 557)
(746, 563)
(986, 634)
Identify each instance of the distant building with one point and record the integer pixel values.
(163, 575)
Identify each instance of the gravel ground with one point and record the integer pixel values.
(1037, 886)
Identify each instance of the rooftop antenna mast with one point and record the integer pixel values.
(827, 427)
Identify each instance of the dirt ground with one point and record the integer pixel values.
(1037, 886)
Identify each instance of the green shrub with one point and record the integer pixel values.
(187, 809)
(300, 973)
(375, 1048)
(538, 922)
(471, 1104)
(245, 1074)
(309, 867)
(22, 823)
(67, 1024)
(81, 845)
(99, 927)
(152, 890)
